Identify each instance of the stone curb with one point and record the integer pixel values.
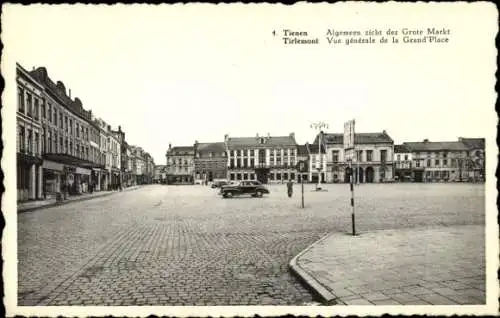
(85, 198)
(308, 280)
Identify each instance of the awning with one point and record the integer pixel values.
(71, 160)
(28, 159)
(82, 171)
(51, 165)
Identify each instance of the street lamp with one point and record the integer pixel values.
(319, 127)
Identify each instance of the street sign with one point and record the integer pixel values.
(349, 134)
(302, 166)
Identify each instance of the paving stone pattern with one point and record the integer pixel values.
(432, 266)
(185, 245)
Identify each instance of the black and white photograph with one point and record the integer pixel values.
(242, 159)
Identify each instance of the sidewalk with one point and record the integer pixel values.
(431, 266)
(42, 204)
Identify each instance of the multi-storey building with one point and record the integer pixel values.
(372, 161)
(104, 179)
(138, 166)
(66, 138)
(477, 163)
(403, 165)
(30, 109)
(210, 161)
(160, 173)
(264, 158)
(180, 164)
(317, 162)
(446, 161)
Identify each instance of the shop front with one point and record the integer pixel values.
(52, 177)
(29, 177)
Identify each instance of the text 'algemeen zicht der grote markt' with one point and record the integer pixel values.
(428, 35)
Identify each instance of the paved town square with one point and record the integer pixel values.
(185, 245)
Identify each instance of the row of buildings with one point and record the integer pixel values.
(61, 147)
(273, 159)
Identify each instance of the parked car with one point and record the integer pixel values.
(253, 188)
(218, 184)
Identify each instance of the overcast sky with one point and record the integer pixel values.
(185, 73)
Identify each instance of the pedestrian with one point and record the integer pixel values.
(289, 186)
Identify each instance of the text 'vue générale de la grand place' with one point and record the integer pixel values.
(427, 35)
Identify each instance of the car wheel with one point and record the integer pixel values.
(259, 194)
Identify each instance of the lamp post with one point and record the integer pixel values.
(319, 126)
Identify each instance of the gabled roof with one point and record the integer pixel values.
(207, 147)
(359, 138)
(313, 148)
(271, 141)
(436, 146)
(302, 150)
(401, 149)
(181, 150)
(473, 143)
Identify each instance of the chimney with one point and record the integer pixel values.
(426, 140)
(226, 137)
(69, 93)
(384, 132)
(257, 136)
(169, 146)
(292, 135)
(119, 128)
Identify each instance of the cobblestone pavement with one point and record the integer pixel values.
(424, 266)
(185, 245)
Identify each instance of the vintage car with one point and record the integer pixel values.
(253, 188)
(218, 183)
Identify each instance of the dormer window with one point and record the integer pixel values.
(261, 140)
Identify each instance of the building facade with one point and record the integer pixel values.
(317, 163)
(268, 159)
(67, 153)
(447, 161)
(403, 164)
(476, 160)
(30, 105)
(210, 161)
(180, 164)
(373, 161)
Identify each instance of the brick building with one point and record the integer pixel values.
(210, 161)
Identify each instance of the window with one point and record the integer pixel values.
(245, 176)
(428, 163)
(36, 110)
(71, 148)
(66, 123)
(436, 162)
(285, 176)
(77, 129)
(44, 135)
(369, 155)
(292, 176)
(445, 162)
(231, 176)
(49, 142)
(398, 157)
(271, 176)
(44, 115)
(29, 105)
(252, 162)
(61, 149)
(252, 176)
(30, 141)
(417, 163)
(335, 156)
(278, 176)
(383, 155)
(66, 148)
(87, 153)
(406, 157)
(37, 140)
(445, 155)
(22, 140)
(359, 155)
(20, 99)
(61, 120)
(55, 117)
(49, 115)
